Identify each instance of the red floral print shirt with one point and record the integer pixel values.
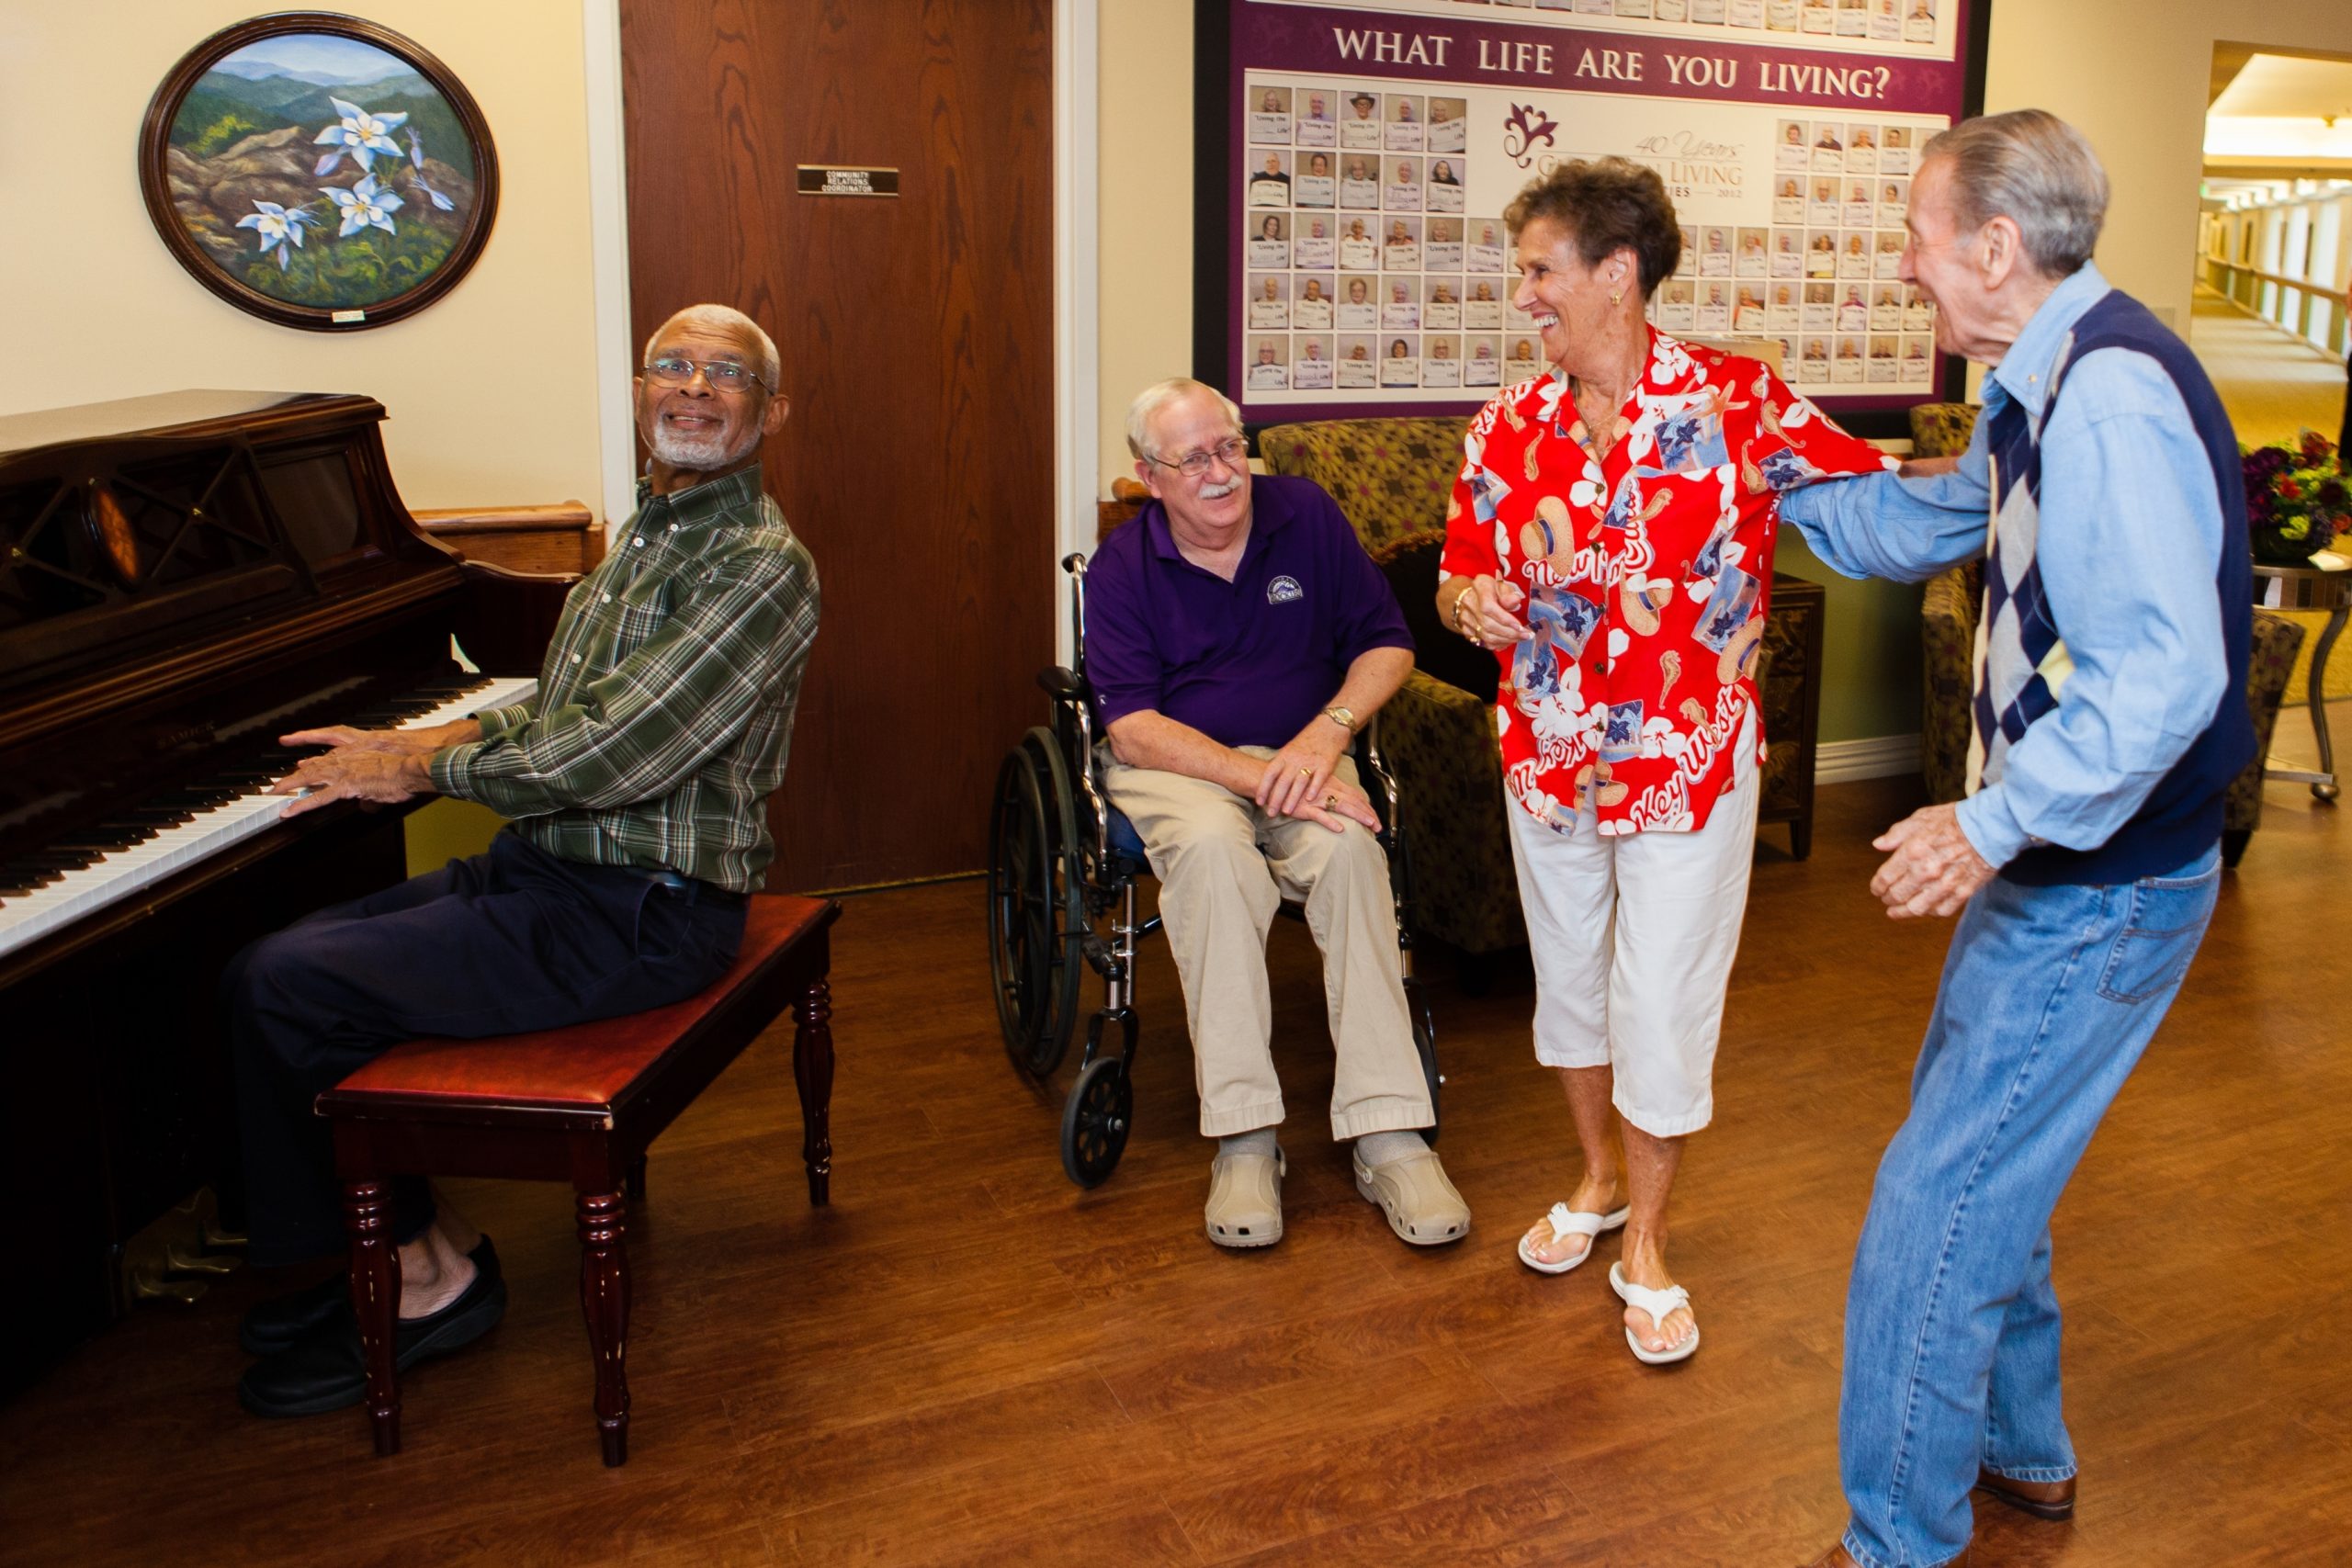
(1647, 575)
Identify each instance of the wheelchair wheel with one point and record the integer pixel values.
(1417, 1007)
(1036, 915)
(1095, 1120)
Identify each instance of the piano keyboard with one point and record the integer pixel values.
(48, 890)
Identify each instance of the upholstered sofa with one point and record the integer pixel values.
(1392, 477)
(1948, 633)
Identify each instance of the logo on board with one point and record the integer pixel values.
(1285, 590)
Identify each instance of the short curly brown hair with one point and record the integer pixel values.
(1606, 204)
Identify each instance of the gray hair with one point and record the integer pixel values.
(724, 318)
(1158, 396)
(2033, 168)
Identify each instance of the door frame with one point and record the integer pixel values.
(1076, 274)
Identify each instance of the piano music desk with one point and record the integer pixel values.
(578, 1105)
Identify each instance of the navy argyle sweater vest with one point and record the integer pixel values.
(2026, 661)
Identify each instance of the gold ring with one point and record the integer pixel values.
(1330, 803)
(1307, 772)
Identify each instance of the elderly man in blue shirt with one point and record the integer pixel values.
(2102, 489)
(1237, 638)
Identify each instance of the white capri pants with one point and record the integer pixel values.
(1633, 938)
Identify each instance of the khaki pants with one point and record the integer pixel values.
(1225, 866)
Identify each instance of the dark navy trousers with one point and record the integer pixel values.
(509, 940)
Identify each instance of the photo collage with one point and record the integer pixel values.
(1364, 271)
(1880, 21)
(1823, 277)
(1362, 266)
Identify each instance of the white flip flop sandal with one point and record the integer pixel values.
(1659, 1305)
(1572, 1222)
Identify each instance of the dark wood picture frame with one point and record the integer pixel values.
(1213, 75)
(474, 221)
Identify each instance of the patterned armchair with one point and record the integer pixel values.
(1948, 630)
(1392, 477)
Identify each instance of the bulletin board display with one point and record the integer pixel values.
(1356, 160)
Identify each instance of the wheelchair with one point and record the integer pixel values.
(1062, 871)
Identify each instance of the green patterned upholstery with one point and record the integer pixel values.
(1941, 430)
(2271, 660)
(1393, 476)
(1947, 628)
(1390, 476)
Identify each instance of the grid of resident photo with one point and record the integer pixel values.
(1824, 277)
(1364, 270)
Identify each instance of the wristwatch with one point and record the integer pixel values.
(1344, 717)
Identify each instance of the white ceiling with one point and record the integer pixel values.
(2282, 86)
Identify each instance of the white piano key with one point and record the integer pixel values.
(29, 917)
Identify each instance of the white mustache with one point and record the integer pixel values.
(1218, 493)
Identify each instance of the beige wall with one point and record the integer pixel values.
(491, 391)
(2133, 75)
(1146, 191)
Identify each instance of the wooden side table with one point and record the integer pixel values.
(2325, 584)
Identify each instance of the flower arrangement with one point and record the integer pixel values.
(2297, 499)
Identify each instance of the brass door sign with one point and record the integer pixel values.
(826, 179)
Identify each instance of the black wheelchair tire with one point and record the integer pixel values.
(1096, 1120)
(1069, 901)
(1031, 953)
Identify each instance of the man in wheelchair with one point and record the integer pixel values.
(1237, 636)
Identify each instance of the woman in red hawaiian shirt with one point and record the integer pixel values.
(1610, 538)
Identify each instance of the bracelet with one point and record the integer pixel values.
(1469, 632)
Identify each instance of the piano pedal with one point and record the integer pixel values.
(172, 1260)
(204, 1209)
(183, 1262)
(151, 1287)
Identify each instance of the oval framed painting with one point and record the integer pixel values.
(319, 170)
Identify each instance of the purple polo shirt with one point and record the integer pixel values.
(1245, 662)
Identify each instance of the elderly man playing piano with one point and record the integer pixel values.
(636, 778)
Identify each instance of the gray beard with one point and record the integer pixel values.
(699, 453)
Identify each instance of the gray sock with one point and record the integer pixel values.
(1380, 1148)
(1257, 1141)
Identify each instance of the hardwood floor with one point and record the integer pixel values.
(966, 1360)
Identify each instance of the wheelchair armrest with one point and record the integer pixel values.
(1061, 685)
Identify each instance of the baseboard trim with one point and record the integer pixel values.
(1877, 757)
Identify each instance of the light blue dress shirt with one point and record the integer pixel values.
(2130, 541)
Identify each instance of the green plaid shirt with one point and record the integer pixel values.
(664, 710)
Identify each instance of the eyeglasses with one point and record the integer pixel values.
(1233, 452)
(724, 375)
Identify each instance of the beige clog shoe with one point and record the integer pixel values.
(1421, 1204)
(1246, 1200)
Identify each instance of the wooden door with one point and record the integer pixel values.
(917, 341)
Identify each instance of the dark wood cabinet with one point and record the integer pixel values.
(1788, 674)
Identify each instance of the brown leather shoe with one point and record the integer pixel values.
(2052, 1500)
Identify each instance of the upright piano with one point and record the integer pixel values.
(183, 579)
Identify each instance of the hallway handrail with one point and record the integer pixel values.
(2241, 285)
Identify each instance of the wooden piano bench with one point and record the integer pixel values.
(578, 1105)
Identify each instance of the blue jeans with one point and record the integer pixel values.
(2049, 996)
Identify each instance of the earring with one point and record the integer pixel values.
(1615, 294)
